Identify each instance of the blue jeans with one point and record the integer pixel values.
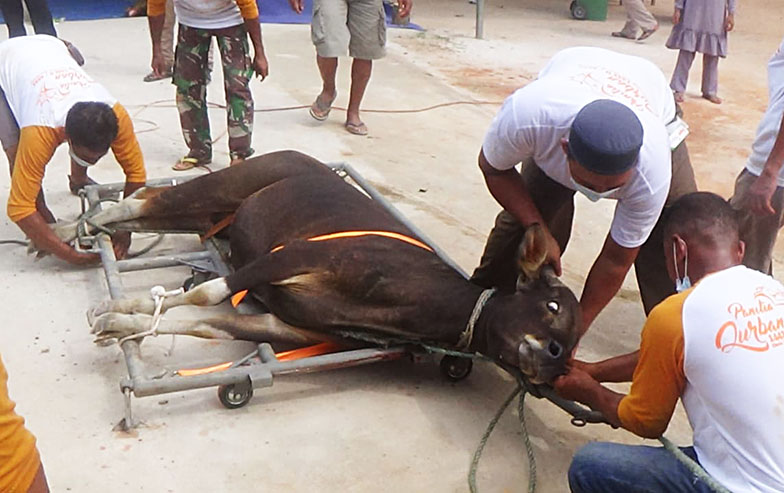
(614, 468)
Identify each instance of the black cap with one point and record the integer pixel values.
(606, 137)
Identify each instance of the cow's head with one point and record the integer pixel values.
(536, 328)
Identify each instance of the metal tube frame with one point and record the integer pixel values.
(248, 371)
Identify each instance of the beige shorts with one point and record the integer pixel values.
(9, 130)
(356, 26)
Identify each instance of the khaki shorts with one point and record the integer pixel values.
(9, 130)
(356, 26)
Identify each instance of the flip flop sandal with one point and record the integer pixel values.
(188, 162)
(319, 110)
(621, 34)
(647, 33)
(152, 76)
(356, 128)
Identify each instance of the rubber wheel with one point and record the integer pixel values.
(578, 11)
(455, 368)
(235, 396)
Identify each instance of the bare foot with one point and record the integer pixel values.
(712, 98)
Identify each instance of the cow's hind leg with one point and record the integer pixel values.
(206, 294)
(259, 328)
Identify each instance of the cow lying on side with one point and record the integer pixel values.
(323, 257)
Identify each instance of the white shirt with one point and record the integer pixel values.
(733, 360)
(533, 120)
(41, 81)
(768, 129)
(208, 14)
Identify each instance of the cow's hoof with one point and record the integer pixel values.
(118, 326)
(235, 395)
(456, 368)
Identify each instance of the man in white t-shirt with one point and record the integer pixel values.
(718, 347)
(759, 189)
(593, 122)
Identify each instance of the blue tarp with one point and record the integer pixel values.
(271, 11)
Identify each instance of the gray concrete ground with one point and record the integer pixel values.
(387, 427)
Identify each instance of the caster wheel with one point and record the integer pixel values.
(455, 368)
(235, 396)
(578, 11)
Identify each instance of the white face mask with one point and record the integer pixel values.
(593, 195)
(81, 162)
(681, 284)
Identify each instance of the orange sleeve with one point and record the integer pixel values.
(126, 148)
(36, 147)
(658, 379)
(248, 9)
(156, 7)
(19, 459)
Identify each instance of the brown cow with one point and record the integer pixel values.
(324, 257)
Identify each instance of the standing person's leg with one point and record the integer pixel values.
(367, 25)
(167, 36)
(190, 78)
(601, 467)
(498, 265)
(13, 13)
(41, 17)
(237, 74)
(330, 36)
(649, 266)
(680, 76)
(167, 44)
(757, 232)
(9, 132)
(710, 78)
(637, 17)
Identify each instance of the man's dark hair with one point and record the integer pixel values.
(702, 217)
(92, 125)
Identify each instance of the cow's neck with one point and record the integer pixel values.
(481, 329)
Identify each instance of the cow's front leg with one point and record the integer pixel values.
(205, 294)
(125, 210)
(259, 328)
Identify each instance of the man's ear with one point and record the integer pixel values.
(741, 252)
(565, 146)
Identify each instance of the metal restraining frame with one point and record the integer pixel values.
(236, 380)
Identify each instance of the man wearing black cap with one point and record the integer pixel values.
(594, 122)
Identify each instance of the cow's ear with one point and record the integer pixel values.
(533, 253)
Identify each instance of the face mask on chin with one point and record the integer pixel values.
(681, 284)
(81, 162)
(593, 195)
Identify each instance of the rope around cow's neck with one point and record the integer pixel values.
(464, 342)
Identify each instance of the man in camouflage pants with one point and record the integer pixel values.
(232, 22)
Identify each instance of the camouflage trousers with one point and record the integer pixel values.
(191, 74)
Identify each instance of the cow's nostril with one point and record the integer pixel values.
(555, 349)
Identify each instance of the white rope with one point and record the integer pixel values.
(158, 294)
(468, 334)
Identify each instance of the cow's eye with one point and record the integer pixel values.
(553, 306)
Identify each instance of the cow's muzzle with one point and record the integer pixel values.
(541, 359)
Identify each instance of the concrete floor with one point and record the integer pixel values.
(387, 427)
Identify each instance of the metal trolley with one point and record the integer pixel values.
(236, 380)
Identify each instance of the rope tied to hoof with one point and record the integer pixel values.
(158, 294)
